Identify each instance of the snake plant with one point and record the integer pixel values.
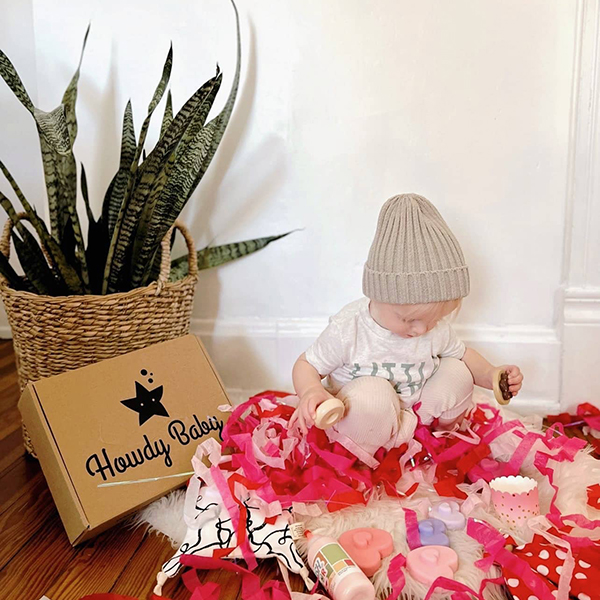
(143, 200)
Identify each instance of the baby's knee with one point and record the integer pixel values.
(366, 385)
(374, 418)
(447, 396)
(456, 374)
(369, 395)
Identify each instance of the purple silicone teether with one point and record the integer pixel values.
(433, 533)
(449, 512)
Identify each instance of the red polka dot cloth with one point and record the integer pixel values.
(547, 561)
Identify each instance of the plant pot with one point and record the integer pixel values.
(54, 334)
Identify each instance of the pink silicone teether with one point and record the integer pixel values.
(449, 512)
(367, 547)
(427, 563)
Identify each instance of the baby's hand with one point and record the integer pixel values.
(515, 378)
(304, 416)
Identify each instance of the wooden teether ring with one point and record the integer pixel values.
(500, 383)
(329, 413)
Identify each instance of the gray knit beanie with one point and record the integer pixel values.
(414, 258)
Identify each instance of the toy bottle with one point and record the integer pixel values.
(336, 570)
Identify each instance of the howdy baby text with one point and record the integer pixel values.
(109, 466)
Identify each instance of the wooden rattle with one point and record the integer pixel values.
(500, 383)
(329, 413)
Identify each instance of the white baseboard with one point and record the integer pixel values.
(257, 354)
(252, 355)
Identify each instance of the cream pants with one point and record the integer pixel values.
(375, 415)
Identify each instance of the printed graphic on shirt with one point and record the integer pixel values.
(407, 378)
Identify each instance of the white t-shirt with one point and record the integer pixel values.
(354, 345)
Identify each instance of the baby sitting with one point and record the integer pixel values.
(393, 354)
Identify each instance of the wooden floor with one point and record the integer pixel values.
(36, 558)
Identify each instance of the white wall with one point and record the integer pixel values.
(19, 146)
(343, 104)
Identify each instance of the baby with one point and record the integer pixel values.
(393, 354)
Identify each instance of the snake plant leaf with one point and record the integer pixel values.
(30, 254)
(168, 116)
(222, 119)
(34, 265)
(162, 208)
(73, 224)
(155, 269)
(96, 252)
(79, 247)
(153, 172)
(164, 81)
(158, 94)
(127, 220)
(14, 281)
(69, 275)
(70, 96)
(12, 79)
(97, 240)
(193, 156)
(85, 195)
(68, 244)
(59, 166)
(52, 164)
(53, 126)
(152, 226)
(60, 169)
(118, 186)
(51, 141)
(214, 256)
(57, 130)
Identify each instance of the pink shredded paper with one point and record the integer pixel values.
(261, 455)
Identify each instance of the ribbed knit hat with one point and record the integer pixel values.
(414, 258)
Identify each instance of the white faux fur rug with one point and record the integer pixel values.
(166, 515)
(388, 514)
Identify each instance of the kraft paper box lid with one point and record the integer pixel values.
(137, 416)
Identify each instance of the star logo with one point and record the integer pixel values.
(146, 403)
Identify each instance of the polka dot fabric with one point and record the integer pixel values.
(547, 561)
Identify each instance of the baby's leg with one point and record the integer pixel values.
(374, 417)
(447, 396)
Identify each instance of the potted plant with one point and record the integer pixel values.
(87, 298)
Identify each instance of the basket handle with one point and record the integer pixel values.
(165, 249)
(5, 240)
(8, 227)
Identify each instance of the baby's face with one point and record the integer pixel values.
(405, 320)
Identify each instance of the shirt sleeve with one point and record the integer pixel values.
(326, 353)
(450, 344)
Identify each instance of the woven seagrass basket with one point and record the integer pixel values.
(54, 334)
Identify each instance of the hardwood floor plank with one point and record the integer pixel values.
(11, 449)
(9, 391)
(16, 479)
(10, 421)
(138, 577)
(96, 565)
(24, 518)
(29, 574)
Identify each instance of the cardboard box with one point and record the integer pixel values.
(137, 416)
